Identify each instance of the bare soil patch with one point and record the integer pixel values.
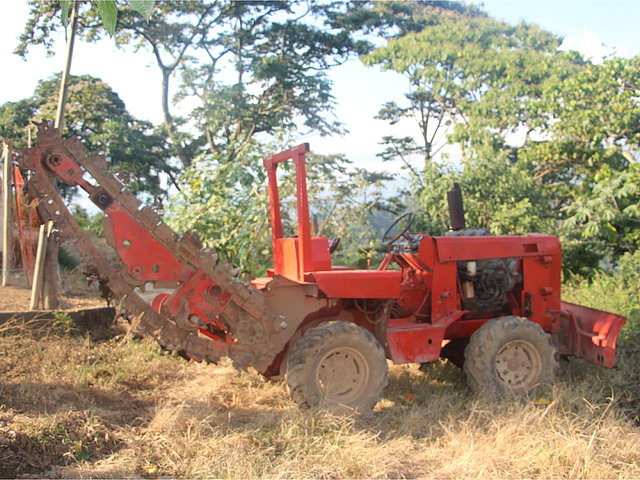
(17, 298)
(76, 294)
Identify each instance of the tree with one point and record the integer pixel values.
(598, 113)
(391, 19)
(548, 140)
(468, 71)
(14, 118)
(460, 67)
(228, 206)
(589, 157)
(258, 71)
(343, 202)
(278, 51)
(97, 115)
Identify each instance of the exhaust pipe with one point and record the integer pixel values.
(456, 208)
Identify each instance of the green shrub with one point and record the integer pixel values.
(66, 260)
(617, 293)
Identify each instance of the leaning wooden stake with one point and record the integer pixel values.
(6, 215)
(43, 237)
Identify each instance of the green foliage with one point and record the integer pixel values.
(143, 7)
(598, 114)
(613, 292)
(471, 72)
(549, 141)
(65, 260)
(63, 322)
(598, 107)
(228, 206)
(392, 19)
(609, 210)
(108, 11)
(96, 115)
(14, 120)
(459, 67)
(581, 258)
(254, 67)
(109, 14)
(279, 56)
(86, 221)
(510, 203)
(630, 271)
(342, 203)
(65, 11)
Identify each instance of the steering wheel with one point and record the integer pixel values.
(388, 238)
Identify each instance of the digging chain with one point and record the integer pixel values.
(246, 315)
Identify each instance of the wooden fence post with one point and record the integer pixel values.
(45, 231)
(7, 218)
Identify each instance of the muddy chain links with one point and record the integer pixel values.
(252, 319)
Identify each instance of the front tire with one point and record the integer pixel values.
(337, 364)
(509, 354)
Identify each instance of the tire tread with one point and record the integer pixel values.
(311, 344)
(486, 342)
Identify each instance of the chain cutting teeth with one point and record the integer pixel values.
(250, 315)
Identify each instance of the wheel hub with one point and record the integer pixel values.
(342, 375)
(518, 365)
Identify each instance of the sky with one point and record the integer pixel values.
(594, 28)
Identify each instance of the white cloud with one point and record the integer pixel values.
(590, 45)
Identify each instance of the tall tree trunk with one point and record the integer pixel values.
(168, 119)
(51, 285)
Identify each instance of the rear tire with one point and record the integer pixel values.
(337, 364)
(509, 354)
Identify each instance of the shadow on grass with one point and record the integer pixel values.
(43, 425)
(48, 424)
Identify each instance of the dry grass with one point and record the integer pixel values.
(71, 407)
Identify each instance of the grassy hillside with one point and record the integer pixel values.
(73, 406)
